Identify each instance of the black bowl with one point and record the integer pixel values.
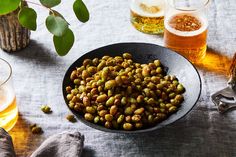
(174, 63)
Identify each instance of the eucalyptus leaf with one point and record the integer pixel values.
(81, 11)
(56, 25)
(56, 13)
(27, 18)
(64, 43)
(7, 6)
(50, 3)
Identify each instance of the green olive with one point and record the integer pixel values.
(101, 98)
(71, 118)
(180, 88)
(74, 91)
(85, 74)
(102, 113)
(113, 110)
(168, 105)
(120, 119)
(127, 126)
(90, 109)
(96, 119)
(128, 119)
(128, 111)
(110, 101)
(132, 100)
(110, 84)
(87, 62)
(118, 80)
(140, 98)
(159, 70)
(105, 73)
(151, 101)
(150, 118)
(115, 124)
(68, 89)
(73, 75)
(136, 118)
(157, 63)
(69, 96)
(179, 98)
(101, 65)
(127, 56)
(46, 109)
(86, 101)
(138, 125)
(95, 61)
(88, 117)
(124, 101)
(146, 71)
(172, 95)
(108, 124)
(139, 111)
(172, 109)
(108, 117)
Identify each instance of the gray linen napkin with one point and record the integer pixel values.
(66, 144)
(6, 145)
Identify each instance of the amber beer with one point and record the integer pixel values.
(148, 15)
(8, 107)
(187, 35)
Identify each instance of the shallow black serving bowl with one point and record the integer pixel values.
(143, 53)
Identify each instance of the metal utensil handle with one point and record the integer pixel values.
(232, 80)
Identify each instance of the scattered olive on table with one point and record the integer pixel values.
(46, 109)
(119, 93)
(35, 129)
(71, 118)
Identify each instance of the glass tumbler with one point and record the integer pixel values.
(186, 27)
(148, 15)
(8, 107)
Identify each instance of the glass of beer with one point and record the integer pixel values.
(8, 108)
(148, 15)
(186, 28)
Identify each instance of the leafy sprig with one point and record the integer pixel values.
(56, 24)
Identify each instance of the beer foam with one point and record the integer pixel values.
(135, 7)
(6, 96)
(204, 25)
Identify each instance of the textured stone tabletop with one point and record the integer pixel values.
(38, 74)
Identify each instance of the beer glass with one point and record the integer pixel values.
(186, 28)
(8, 108)
(148, 15)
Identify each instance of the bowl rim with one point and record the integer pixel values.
(146, 130)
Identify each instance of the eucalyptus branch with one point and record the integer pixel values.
(56, 24)
(39, 5)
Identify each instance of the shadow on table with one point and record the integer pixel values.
(23, 139)
(37, 52)
(199, 134)
(215, 62)
(88, 152)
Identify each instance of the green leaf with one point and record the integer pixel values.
(64, 43)
(56, 25)
(50, 3)
(81, 11)
(7, 6)
(27, 18)
(56, 13)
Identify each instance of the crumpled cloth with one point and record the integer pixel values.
(65, 144)
(6, 145)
